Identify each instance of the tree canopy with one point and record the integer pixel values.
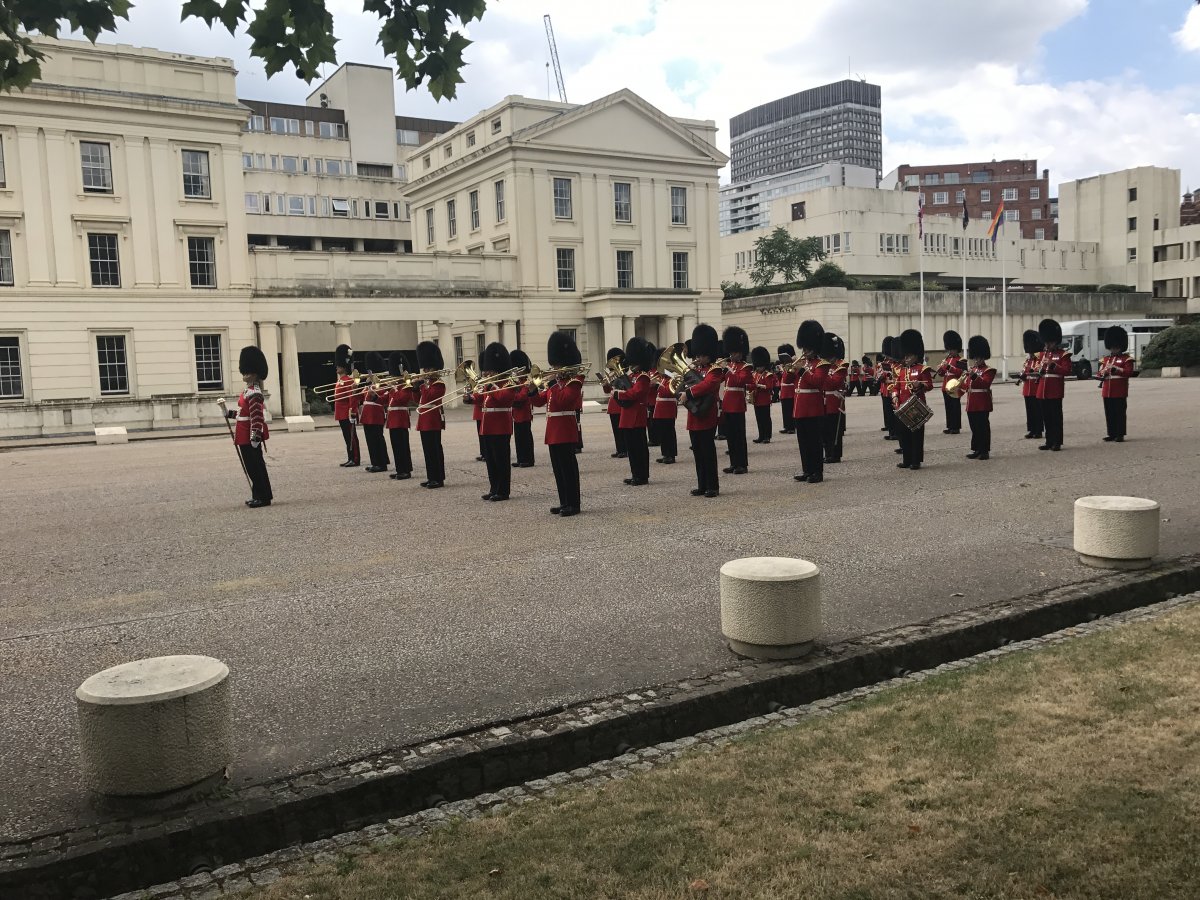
(780, 254)
(424, 39)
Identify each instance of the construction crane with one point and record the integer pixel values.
(562, 88)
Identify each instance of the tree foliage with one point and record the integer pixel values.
(1178, 345)
(424, 39)
(830, 274)
(781, 255)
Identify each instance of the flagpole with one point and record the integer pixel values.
(921, 275)
(1004, 311)
(963, 249)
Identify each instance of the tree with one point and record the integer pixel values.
(1178, 345)
(829, 275)
(780, 254)
(421, 37)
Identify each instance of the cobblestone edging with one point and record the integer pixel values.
(233, 880)
(209, 835)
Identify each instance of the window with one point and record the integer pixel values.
(1039, 234)
(678, 206)
(256, 123)
(448, 151)
(981, 177)
(499, 186)
(1132, 253)
(341, 208)
(401, 173)
(1035, 214)
(679, 271)
(473, 205)
(1132, 195)
(374, 170)
(295, 206)
(1009, 194)
(623, 201)
(247, 160)
(209, 371)
(333, 167)
(114, 366)
(1133, 223)
(97, 167)
(331, 130)
(1012, 215)
(102, 258)
(426, 161)
(11, 386)
(196, 181)
(565, 262)
(202, 262)
(429, 226)
(986, 215)
(932, 178)
(562, 198)
(912, 181)
(495, 126)
(381, 209)
(6, 262)
(985, 196)
(470, 139)
(458, 350)
(290, 164)
(624, 268)
(960, 196)
(941, 198)
(951, 178)
(407, 138)
(252, 204)
(1035, 193)
(312, 205)
(451, 219)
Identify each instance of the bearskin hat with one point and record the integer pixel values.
(654, 353)
(343, 357)
(979, 348)
(866, 360)
(760, 357)
(375, 363)
(687, 348)
(429, 356)
(395, 363)
(561, 350)
(615, 352)
(1050, 331)
(911, 343)
(518, 358)
(705, 342)
(640, 353)
(831, 346)
(252, 359)
(1033, 341)
(887, 351)
(952, 340)
(495, 358)
(786, 350)
(840, 347)
(809, 336)
(1116, 339)
(736, 340)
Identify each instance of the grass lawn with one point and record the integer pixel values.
(1067, 772)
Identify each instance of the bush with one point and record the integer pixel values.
(1116, 289)
(1176, 346)
(829, 275)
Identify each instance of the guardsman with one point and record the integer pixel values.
(701, 400)
(639, 359)
(666, 412)
(1029, 383)
(345, 403)
(765, 384)
(739, 378)
(809, 407)
(787, 375)
(977, 386)
(399, 399)
(614, 409)
(1054, 365)
(952, 367)
(497, 393)
(374, 415)
(868, 377)
(884, 371)
(833, 350)
(1115, 371)
(854, 379)
(251, 430)
(522, 416)
(909, 378)
(431, 418)
(561, 398)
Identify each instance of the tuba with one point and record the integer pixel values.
(683, 375)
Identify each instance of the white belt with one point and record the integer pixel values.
(371, 403)
(1117, 377)
(1051, 375)
(488, 409)
(808, 391)
(666, 400)
(730, 390)
(564, 412)
(242, 419)
(979, 391)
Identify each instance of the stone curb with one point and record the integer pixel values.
(122, 855)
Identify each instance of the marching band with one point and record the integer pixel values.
(709, 377)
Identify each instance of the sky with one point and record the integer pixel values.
(1083, 86)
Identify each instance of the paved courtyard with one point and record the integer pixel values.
(360, 613)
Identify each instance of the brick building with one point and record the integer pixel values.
(1189, 209)
(1025, 192)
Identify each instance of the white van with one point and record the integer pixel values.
(1085, 340)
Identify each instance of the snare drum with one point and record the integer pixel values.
(914, 412)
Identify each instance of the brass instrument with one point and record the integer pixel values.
(541, 378)
(613, 370)
(322, 389)
(956, 386)
(508, 378)
(683, 375)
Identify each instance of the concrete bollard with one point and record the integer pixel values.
(111, 434)
(770, 606)
(1116, 532)
(155, 725)
(300, 423)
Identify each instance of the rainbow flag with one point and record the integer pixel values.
(997, 221)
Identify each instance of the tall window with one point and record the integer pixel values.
(458, 350)
(473, 204)
(562, 198)
(623, 201)
(960, 196)
(451, 220)
(202, 262)
(11, 387)
(1009, 194)
(1035, 193)
(97, 167)
(382, 209)
(941, 197)
(678, 206)
(499, 186)
(1012, 215)
(114, 366)
(1035, 214)
(679, 271)
(209, 371)
(565, 261)
(429, 226)
(624, 268)
(103, 260)
(985, 196)
(3, 175)
(196, 181)
(6, 263)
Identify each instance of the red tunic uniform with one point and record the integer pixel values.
(764, 388)
(952, 367)
(373, 407)
(1028, 381)
(632, 402)
(251, 424)
(497, 409)
(810, 390)
(739, 377)
(1055, 366)
(560, 401)
(665, 404)
(1116, 372)
(709, 386)
(979, 388)
(345, 399)
(835, 387)
(522, 408)
(429, 419)
(614, 408)
(868, 374)
(909, 380)
(787, 387)
(398, 401)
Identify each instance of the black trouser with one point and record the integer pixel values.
(808, 436)
(953, 412)
(912, 443)
(832, 430)
(874, 388)
(566, 474)
(762, 415)
(350, 436)
(1053, 420)
(256, 468)
(639, 453)
(721, 426)
(618, 435)
(668, 441)
(1033, 416)
(523, 442)
(497, 453)
(579, 428)
(435, 460)
(862, 389)
(735, 439)
(889, 416)
(400, 451)
(1114, 415)
(704, 449)
(789, 423)
(651, 429)
(479, 434)
(376, 446)
(981, 431)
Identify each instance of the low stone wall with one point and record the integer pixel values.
(51, 418)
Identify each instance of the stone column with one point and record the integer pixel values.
(687, 323)
(318, 244)
(628, 326)
(491, 333)
(685, 334)
(612, 337)
(341, 333)
(358, 246)
(445, 342)
(508, 333)
(293, 399)
(268, 342)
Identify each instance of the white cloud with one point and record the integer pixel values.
(1188, 37)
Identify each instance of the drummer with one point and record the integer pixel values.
(911, 381)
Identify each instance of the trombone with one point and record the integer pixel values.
(355, 378)
(474, 382)
(541, 378)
